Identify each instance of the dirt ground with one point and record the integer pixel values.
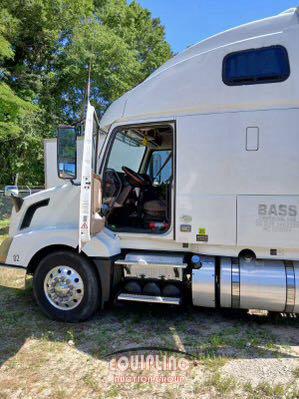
(235, 355)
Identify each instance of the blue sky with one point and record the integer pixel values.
(189, 21)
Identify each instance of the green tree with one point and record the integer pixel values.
(13, 109)
(124, 44)
(47, 47)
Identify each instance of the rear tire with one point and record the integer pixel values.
(66, 287)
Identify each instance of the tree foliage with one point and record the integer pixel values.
(45, 49)
(12, 107)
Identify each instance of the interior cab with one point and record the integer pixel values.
(137, 179)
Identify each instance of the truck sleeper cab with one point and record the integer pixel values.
(188, 190)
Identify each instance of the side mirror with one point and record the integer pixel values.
(11, 191)
(67, 152)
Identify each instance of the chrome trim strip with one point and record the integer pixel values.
(290, 287)
(136, 263)
(149, 299)
(235, 281)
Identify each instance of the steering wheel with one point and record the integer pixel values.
(135, 178)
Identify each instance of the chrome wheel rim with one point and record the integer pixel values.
(64, 287)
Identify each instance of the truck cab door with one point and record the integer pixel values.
(90, 221)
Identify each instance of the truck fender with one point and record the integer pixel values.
(26, 244)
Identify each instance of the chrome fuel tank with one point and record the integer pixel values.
(259, 284)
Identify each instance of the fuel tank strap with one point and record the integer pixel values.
(291, 286)
(235, 281)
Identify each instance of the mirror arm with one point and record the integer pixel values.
(75, 183)
(17, 201)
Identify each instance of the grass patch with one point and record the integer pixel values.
(296, 373)
(113, 392)
(222, 384)
(252, 339)
(265, 390)
(4, 226)
(2, 238)
(90, 381)
(212, 361)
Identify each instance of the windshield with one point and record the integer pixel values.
(127, 150)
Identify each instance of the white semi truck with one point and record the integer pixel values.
(194, 195)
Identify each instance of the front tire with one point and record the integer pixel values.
(66, 287)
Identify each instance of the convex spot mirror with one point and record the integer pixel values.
(11, 190)
(67, 152)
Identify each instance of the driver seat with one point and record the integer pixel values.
(155, 209)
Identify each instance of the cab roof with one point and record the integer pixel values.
(129, 106)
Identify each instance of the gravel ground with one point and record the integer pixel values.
(235, 355)
(258, 371)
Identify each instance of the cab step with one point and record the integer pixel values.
(149, 299)
(154, 260)
(153, 266)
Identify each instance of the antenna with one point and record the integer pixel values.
(86, 99)
(89, 82)
(89, 74)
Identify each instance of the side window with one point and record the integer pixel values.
(264, 65)
(160, 166)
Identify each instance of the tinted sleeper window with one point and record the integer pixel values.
(264, 65)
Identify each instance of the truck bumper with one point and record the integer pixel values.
(10, 275)
(14, 277)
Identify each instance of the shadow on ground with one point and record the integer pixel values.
(201, 332)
